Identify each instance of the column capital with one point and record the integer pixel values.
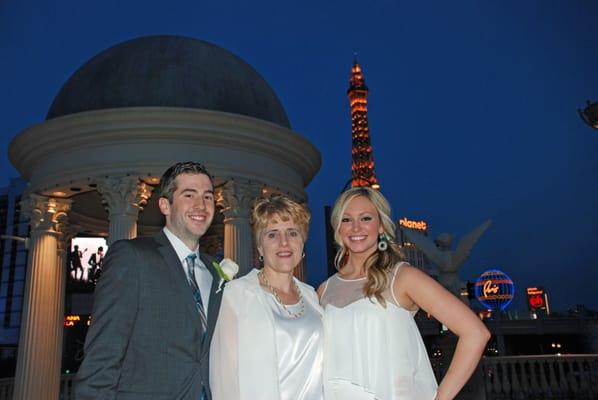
(123, 195)
(69, 231)
(46, 214)
(236, 198)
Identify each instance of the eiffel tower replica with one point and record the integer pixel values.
(362, 167)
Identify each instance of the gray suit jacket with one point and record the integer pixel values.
(145, 338)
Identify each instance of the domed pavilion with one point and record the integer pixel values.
(115, 126)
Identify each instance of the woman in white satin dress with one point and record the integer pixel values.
(373, 349)
(268, 341)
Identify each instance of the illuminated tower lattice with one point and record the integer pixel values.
(362, 168)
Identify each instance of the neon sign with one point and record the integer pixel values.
(74, 320)
(489, 288)
(419, 225)
(494, 289)
(71, 320)
(537, 299)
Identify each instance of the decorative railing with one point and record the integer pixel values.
(66, 388)
(564, 377)
(6, 385)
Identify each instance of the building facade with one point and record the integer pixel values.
(413, 255)
(14, 227)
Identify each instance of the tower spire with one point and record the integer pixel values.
(362, 167)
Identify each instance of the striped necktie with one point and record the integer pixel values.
(190, 262)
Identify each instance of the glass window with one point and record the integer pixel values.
(21, 258)
(17, 302)
(19, 273)
(18, 288)
(12, 335)
(15, 318)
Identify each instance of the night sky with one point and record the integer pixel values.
(472, 108)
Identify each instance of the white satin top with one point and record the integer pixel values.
(299, 350)
(371, 351)
(256, 353)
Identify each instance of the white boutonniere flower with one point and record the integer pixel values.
(227, 269)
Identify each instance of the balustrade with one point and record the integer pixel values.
(567, 377)
(66, 388)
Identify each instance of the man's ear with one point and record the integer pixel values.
(164, 205)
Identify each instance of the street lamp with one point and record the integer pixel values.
(590, 114)
(23, 240)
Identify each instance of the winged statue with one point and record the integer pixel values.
(440, 253)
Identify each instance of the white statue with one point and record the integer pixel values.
(440, 253)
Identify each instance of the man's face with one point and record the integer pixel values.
(192, 209)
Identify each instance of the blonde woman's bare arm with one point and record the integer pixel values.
(414, 287)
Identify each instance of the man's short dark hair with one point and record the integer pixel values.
(167, 182)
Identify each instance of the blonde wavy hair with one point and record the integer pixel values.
(269, 209)
(379, 264)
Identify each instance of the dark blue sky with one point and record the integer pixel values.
(472, 108)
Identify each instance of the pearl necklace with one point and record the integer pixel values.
(278, 299)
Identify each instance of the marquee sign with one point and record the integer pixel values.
(537, 299)
(76, 320)
(494, 289)
(418, 225)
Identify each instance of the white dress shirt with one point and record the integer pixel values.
(202, 275)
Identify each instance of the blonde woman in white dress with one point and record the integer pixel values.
(268, 341)
(373, 349)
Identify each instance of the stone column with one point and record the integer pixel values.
(40, 351)
(236, 199)
(123, 198)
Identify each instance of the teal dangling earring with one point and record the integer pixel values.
(382, 242)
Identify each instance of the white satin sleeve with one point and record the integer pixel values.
(224, 355)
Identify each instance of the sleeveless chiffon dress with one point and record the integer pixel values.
(372, 352)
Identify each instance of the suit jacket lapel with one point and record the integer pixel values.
(177, 273)
(214, 303)
(180, 279)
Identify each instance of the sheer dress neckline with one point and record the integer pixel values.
(340, 292)
(350, 280)
(357, 301)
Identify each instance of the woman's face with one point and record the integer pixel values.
(281, 245)
(360, 226)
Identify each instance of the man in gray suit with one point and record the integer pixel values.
(156, 303)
